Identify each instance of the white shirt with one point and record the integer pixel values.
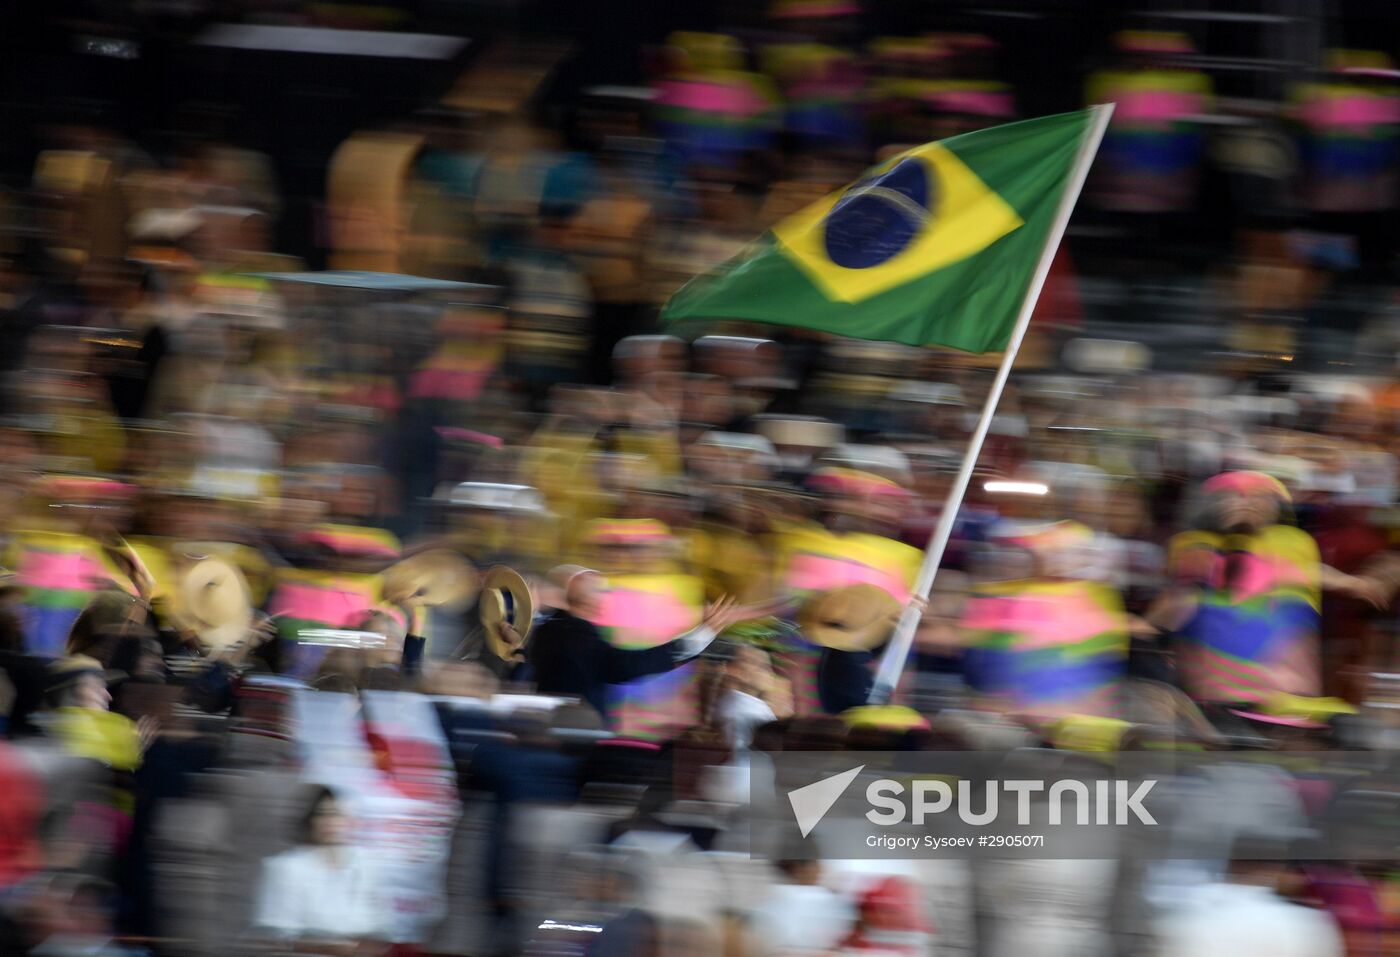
(1210, 810)
(740, 715)
(676, 878)
(302, 894)
(1236, 920)
(800, 919)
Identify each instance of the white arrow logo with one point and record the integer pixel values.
(810, 803)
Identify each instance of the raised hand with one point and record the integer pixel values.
(146, 730)
(510, 638)
(721, 614)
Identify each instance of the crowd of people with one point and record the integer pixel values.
(439, 602)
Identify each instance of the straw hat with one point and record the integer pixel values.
(505, 597)
(800, 431)
(65, 671)
(214, 600)
(849, 618)
(435, 577)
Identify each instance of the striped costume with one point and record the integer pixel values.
(814, 559)
(1047, 646)
(304, 598)
(60, 573)
(1255, 628)
(643, 611)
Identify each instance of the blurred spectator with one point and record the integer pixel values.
(1246, 913)
(569, 656)
(81, 720)
(747, 680)
(1248, 552)
(800, 916)
(1151, 156)
(1348, 119)
(323, 896)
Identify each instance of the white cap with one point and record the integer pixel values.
(880, 459)
(928, 393)
(164, 225)
(738, 440)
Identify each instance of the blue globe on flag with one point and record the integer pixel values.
(877, 218)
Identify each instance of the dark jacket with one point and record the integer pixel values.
(570, 656)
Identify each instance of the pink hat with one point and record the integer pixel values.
(1246, 482)
(83, 488)
(624, 531)
(853, 482)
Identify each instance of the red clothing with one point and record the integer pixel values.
(891, 920)
(1059, 304)
(1347, 542)
(20, 812)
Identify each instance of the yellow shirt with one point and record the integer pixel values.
(101, 735)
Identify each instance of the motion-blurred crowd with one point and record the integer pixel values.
(439, 602)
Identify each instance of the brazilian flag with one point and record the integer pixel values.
(936, 246)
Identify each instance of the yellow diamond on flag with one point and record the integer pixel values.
(914, 214)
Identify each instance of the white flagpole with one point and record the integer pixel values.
(897, 651)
